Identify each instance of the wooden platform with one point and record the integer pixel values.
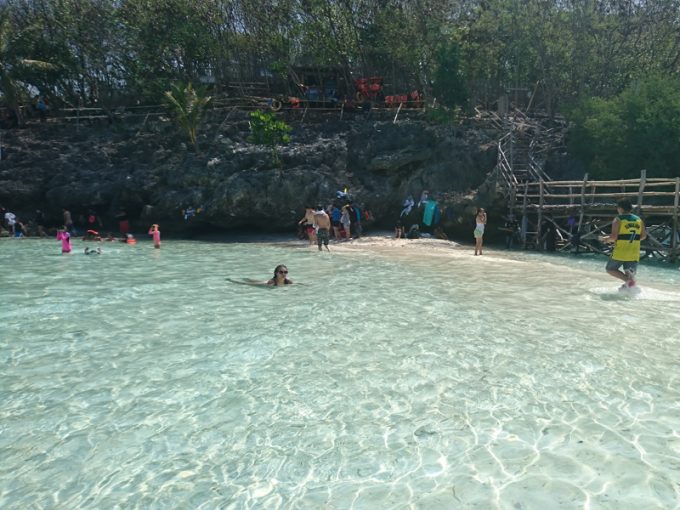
(582, 211)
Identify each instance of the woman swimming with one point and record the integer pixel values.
(280, 278)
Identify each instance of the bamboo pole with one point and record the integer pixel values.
(651, 181)
(540, 219)
(397, 114)
(583, 201)
(661, 210)
(655, 242)
(641, 190)
(525, 220)
(676, 203)
(593, 191)
(571, 198)
(513, 197)
(565, 196)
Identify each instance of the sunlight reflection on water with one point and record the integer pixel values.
(399, 375)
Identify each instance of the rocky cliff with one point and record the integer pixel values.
(148, 171)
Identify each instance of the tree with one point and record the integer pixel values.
(639, 128)
(166, 41)
(449, 85)
(12, 64)
(188, 106)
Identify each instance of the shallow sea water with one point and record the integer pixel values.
(402, 374)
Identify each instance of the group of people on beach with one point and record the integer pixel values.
(628, 230)
(343, 222)
(339, 221)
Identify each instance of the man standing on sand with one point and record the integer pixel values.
(627, 232)
(323, 225)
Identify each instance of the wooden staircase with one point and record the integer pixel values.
(522, 153)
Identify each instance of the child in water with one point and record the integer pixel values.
(65, 238)
(153, 231)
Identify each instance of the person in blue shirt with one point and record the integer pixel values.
(335, 213)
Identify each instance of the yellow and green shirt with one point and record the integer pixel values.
(627, 245)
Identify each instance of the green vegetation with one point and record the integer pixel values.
(463, 53)
(441, 115)
(14, 64)
(187, 105)
(449, 82)
(266, 130)
(639, 128)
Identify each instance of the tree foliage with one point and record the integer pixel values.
(265, 129)
(16, 62)
(449, 85)
(117, 50)
(638, 129)
(547, 53)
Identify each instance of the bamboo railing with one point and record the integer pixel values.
(656, 200)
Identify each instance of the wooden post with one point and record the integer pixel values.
(641, 190)
(571, 198)
(676, 203)
(583, 201)
(540, 215)
(397, 114)
(144, 124)
(525, 221)
(592, 193)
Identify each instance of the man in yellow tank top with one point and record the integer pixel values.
(627, 232)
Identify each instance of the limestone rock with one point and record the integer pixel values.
(236, 185)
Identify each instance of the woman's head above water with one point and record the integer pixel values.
(280, 276)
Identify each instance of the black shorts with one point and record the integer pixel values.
(614, 265)
(322, 236)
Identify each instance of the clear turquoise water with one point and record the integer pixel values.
(400, 375)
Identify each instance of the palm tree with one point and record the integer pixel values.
(188, 106)
(11, 63)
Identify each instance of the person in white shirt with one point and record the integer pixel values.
(11, 221)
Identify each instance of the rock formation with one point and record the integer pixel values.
(148, 171)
